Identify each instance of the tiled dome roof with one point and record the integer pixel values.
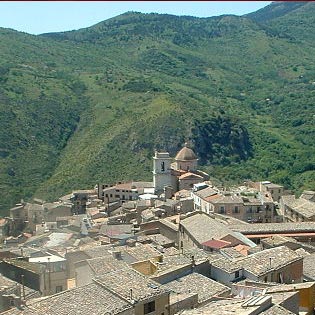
(186, 154)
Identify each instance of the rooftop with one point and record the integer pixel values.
(227, 265)
(186, 154)
(309, 266)
(171, 263)
(6, 282)
(206, 288)
(270, 259)
(232, 306)
(50, 240)
(190, 175)
(160, 239)
(93, 251)
(46, 259)
(259, 263)
(139, 252)
(203, 228)
(216, 244)
(277, 240)
(122, 281)
(23, 264)
(234, 199)
(184, 193)
(272, 185)
(308, 194)
(290, 287)
(206, 192)
(284, 227)
(277, 310)
(110, 229)
(169, 224)
(232, 253)
(302, 206)
(101, 265)
(89, 299)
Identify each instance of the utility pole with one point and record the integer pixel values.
(49, 276)
(23, 287)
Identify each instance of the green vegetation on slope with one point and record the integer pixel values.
(91, 105)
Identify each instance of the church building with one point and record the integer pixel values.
(179, 174)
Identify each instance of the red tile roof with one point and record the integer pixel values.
(217, 244)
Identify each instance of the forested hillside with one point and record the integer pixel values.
(91, 105)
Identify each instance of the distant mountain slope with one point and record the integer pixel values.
(291, 20)
(274, 10)
(40, 108)
(91, 105)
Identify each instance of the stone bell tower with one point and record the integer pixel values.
(161, 171)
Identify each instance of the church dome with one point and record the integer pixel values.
(186, 154)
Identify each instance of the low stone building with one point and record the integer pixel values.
(279, 265)
(87, 270)
(123, 191)
(275, 190)
(146, 296)
(194, 290)
(300, 209)
(197, 228)
(44, 274)
(31, 214)
(248, 206)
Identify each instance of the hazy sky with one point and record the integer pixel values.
(36, 17)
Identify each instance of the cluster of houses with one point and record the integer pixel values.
(176, 245)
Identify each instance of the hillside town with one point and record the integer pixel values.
(176, 245)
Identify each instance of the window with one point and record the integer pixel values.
(237, 274)
(236, 209)
(149, 307)
(117, 196)
(58, 288)
(222, 209)
(162, 166)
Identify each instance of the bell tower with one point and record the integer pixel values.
(161, 171)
